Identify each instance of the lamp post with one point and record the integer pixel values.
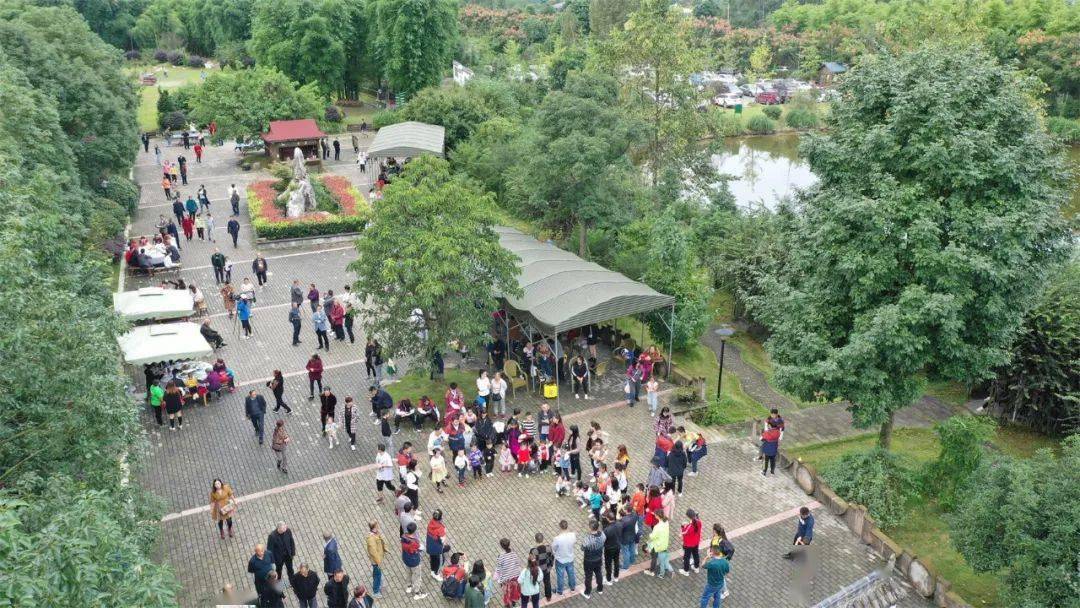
(724, 333)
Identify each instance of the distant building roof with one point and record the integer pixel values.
(834, 67)
(292, 130)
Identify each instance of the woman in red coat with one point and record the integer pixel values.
(653, 504)
(188, 224)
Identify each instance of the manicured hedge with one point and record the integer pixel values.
(268, 223)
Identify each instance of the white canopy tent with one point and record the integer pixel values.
(163, 342)
(154, 303)
(407, 139)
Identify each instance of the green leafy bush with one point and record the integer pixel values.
(773, 112)
(1065, 129)
(385, 118)
(962, 439)
(196, 61)
(161, 55)
(339, 224)
(874, 479)
(123, 192)
(760, 125)
(333, 113)
(1020, 519)
(727, 124)
(177, 119)
(283, 173)
(802, 118)
(720, 412)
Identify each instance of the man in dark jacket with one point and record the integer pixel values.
(217, 260)
(233, 228)
(211, 336)
(593, 547)
(381, 401)
(259, 267)
(260, 564)
(628, 538)
(612, 546)
(281, 544)
(305, 584)
(337, 590)
(804, 534)
(178, 211)
(255, 409)
(331, 557)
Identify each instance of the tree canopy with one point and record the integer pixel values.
(431, 262)
(575, 172)
(305, 40)
(72, 531)
(244, 102)
(1020, 516)
(935, 223)
(413, 41)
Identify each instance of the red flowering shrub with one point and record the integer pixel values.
(269, 221)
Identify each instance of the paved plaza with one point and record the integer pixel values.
(333, 490)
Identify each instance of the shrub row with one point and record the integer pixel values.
(337, 224)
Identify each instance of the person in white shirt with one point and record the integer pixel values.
(384, 472)
(562, 546)
(210, 227)
(483, 388)
(498, 393)
(331, 431)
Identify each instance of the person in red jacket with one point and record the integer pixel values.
(337, 320)
(188, 225)
(653, 504)
(691, 539)
(198, 153)
(314, 375)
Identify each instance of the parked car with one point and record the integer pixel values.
(768, 98)
(728, 100)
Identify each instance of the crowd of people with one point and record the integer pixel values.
(468, 438)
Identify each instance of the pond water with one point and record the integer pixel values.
(765, 169)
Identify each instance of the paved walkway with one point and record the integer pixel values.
(820, 422)
(332, 490)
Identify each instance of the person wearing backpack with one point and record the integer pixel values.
(691, 539)
(698, 449)
(453, 577)
(410, 556)
(436, 543)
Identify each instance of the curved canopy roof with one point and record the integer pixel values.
(407, 139)
(162, 343)
(563, 291)
(154, 303)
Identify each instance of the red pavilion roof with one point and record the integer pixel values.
(292, 130)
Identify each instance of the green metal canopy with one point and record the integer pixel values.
(563, 291)
(406, 140)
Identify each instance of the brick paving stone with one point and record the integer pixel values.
(218, 442)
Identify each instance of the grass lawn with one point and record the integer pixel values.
(924, 528)
(416, 384)
(755, 109)
(148, 96)
(699, 361)
(952, 393)
(356, 115)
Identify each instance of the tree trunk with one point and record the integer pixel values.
(885, 434)
(582, 240)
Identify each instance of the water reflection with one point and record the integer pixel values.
(764, 169)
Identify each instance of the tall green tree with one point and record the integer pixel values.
(671, 268)
(606, 16)
(413, 41)
(73, 532)
(1019, 518)
(1040, 386)
(574, 171)
(931, 232)
(431, 261)
(654, 56)
(244, 102)
(62, 58)
(306, 39)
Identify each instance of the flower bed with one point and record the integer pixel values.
(269, 221)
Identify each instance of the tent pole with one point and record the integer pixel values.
(558, 391)
(671, 343)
